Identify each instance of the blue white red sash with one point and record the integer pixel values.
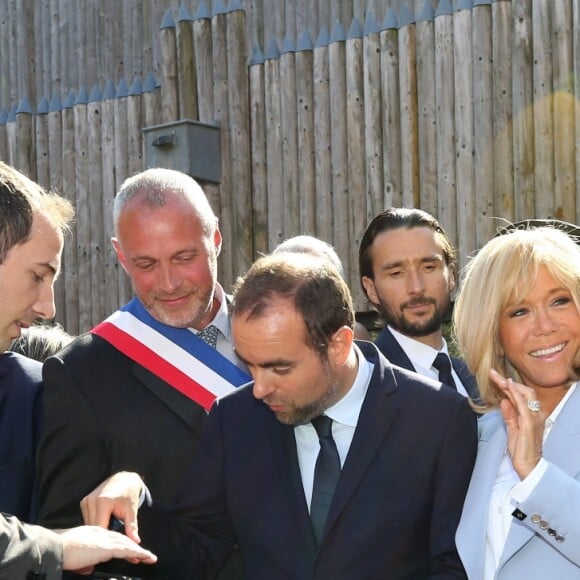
(176, 355)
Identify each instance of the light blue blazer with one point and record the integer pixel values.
(545, 541)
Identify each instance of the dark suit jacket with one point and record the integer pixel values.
(28, 551)
(394, 513)
(389, 346)
(105, 413)
(20, 417)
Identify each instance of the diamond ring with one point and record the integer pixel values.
(534, 406)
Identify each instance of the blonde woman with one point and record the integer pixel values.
(517, 320)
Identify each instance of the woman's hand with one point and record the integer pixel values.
(525, 427)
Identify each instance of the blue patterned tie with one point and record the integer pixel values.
(209, 334)
(326, 474)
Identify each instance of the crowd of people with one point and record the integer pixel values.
(263, 434)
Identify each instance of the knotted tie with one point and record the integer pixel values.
(209, 334)
(443, 365)
(326, 474)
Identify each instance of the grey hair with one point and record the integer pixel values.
(155, 184)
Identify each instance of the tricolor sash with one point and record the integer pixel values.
(175, 355)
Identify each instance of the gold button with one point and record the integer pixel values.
(544, 525)
(536, 518)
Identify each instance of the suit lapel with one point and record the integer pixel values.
(378, 412)
(466, 377)
(473, 525)
(565, 436)
(389, 346)
(191, 413)
(282, 439)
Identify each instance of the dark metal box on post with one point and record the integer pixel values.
(188, 146)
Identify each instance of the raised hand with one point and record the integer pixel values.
(525, 422)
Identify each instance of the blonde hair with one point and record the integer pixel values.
(501, 274)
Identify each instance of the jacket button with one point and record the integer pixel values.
(559, 539)
(536, 518)
(544, 525)
(551, 532)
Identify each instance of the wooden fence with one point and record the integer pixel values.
(468, 111)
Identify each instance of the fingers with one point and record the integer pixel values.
(524, 426)
(116, 497)
(86, 546)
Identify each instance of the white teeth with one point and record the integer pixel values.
(548, 351)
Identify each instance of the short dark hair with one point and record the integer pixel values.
(20, 200)
(313, 285)
(394, 218)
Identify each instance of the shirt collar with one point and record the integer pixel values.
(554, 414)
(421, 355)
(221, 319)
(347, 410)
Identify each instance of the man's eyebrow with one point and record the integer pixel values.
(48, 266)
(268, 364)
(401, 263)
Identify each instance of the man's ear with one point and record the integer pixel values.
(119, 252)
(217, 240)
(369, 286)
(340, 346)
(451, 282)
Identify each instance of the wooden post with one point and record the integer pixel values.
(288, 105)
(121, 170)
(274, 146)
(427, 115)
(483, 123)
(221, 112)
(409, 112)
(70, 253)
(502, 110)
(51, 177)
(25, 145)
(151, 101)
(356, 153)
(565, 102)
(41, 153)
(464, 172)
(339, 148)
(390, 104)
(186, 81)
(373, 126)
(322, 138)
(258, 158)
(169, 97)
(108, 153)
(305, 127)
(240, 150)
(543, 107)
(522, 109)
(445, 107)
(83, 214)
(95, 226)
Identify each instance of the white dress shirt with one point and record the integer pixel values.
(344, 415)
(508, 492)
(222, 321)
(422, 356)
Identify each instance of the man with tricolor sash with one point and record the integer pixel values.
(133, 394)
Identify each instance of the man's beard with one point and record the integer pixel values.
(398, 320)
(303, 415)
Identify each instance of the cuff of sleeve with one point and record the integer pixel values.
(522, 490)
